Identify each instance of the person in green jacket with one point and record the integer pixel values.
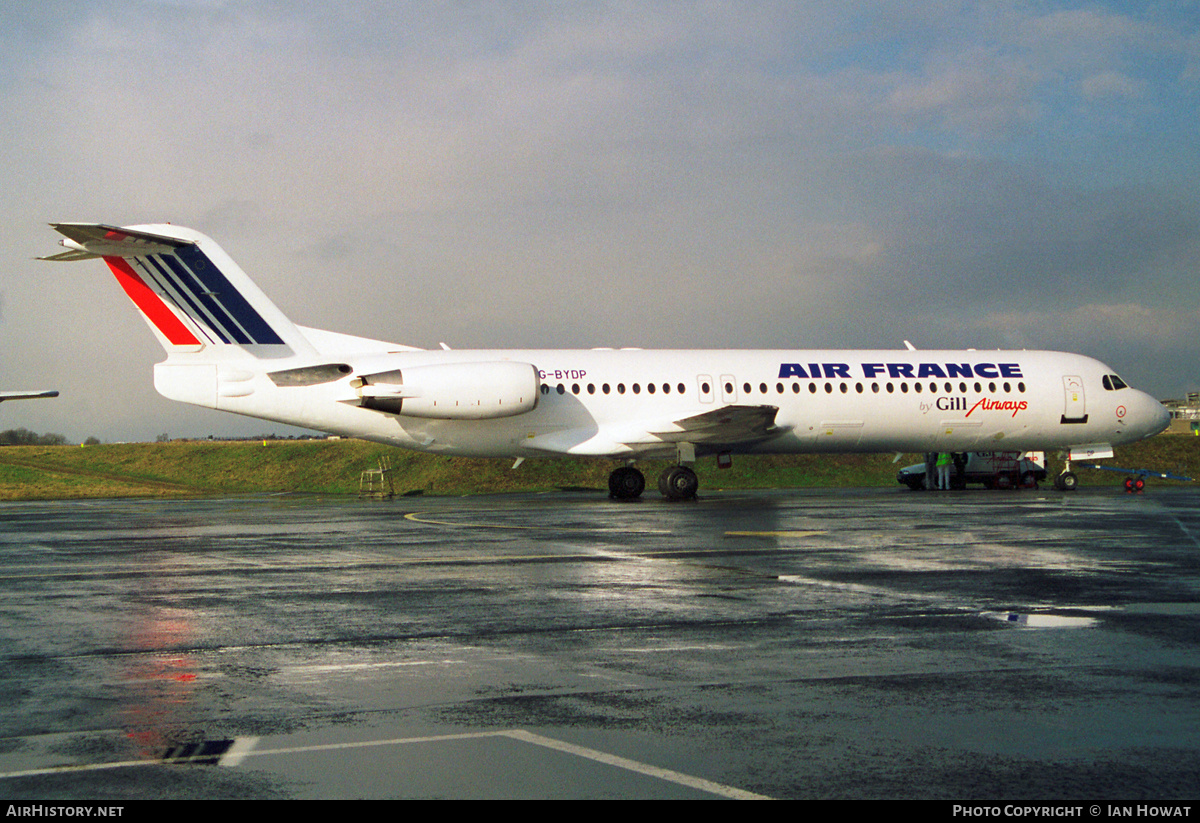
(944, 461)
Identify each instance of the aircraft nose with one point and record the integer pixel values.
(1155, 414)
(1164, 416)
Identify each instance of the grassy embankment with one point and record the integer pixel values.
(203, 468)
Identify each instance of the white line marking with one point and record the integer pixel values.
(634, 766)
(244, 747)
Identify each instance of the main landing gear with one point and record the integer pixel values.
(678, 483)
(626, 483)
(675, 483)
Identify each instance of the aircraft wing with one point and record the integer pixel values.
(728, 425)
(713, 430)
(26, 395)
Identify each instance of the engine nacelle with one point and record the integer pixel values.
(453, 391)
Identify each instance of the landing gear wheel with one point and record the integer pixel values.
(1066, 482)
(678, 483)
(626, 483)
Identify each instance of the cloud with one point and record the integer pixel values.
(1111, 84)
(682, 174)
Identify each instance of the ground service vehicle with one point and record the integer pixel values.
(995, 470)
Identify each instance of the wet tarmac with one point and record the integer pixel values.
(969, 646)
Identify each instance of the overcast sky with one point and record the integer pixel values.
(691, 174)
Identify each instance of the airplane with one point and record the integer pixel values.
(230, 348)
(26, 395)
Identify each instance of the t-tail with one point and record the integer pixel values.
(220, 332)
(196, 300)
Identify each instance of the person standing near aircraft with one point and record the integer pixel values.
(943, 471)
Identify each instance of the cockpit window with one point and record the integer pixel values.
(1113, 383)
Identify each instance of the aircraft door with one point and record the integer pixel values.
(728, 388)
(1074, 400)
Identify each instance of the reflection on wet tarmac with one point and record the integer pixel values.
(806, 644)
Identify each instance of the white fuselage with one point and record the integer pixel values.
(619, 403)
(230, 348)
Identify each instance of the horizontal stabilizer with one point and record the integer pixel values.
(26, 395)
(192, 295)
(88, 240)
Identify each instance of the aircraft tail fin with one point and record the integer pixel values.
(195, 298)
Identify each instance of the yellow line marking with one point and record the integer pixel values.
(774, 534)
(415, 518)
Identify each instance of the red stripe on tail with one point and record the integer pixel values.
(151, 304)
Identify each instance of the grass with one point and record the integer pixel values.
(207, 468)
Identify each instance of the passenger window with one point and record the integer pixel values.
(561, 389)
(650, 388)
(682, 388)
(620, 388)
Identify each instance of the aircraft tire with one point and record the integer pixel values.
(1067, 481)
(678, 483)
(626, 483)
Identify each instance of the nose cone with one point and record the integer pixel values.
(1152, 416)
